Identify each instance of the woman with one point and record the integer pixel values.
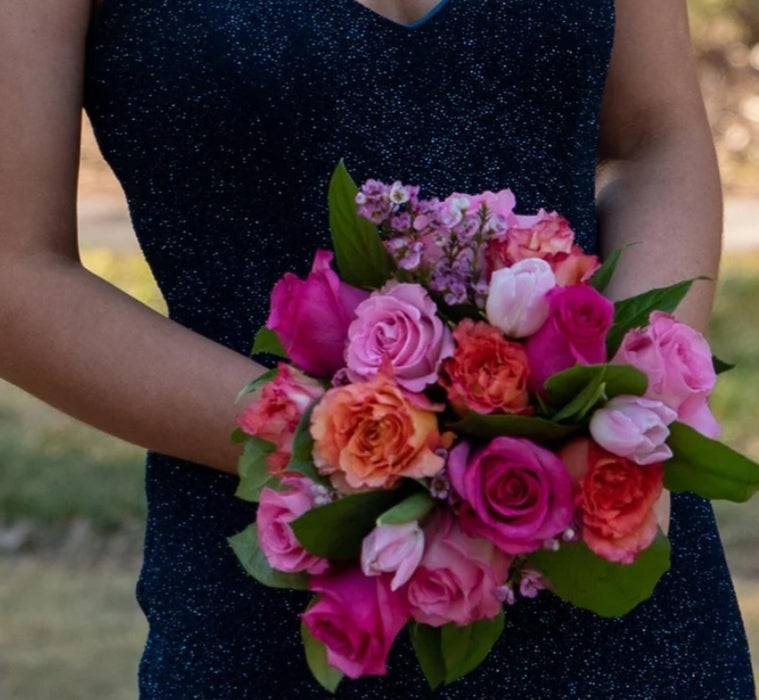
(223, 121)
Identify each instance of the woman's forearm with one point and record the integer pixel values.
(85, 347)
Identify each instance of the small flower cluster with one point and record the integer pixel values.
(421, 418)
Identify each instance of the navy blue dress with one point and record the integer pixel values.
(223, 120)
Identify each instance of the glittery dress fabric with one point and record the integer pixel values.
(223, 120)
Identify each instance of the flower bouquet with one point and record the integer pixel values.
(465, 419)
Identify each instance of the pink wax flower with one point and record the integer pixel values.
(399, 325)
(574, 267)
(393, 549)
(616, 499)
(275, 414)
(678, 363)
(500, 208)
(276, 510)
(311, 316)
(487, 373)
(517, 302)
(634, 427)
(575, 333)
(514, 493)
(458, 578)
(357, 618)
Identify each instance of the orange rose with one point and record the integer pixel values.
(487, 373)
(616, 499)
(370, 434)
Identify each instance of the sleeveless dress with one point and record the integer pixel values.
(223, 120)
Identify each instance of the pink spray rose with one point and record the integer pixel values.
(275, 414)
(678, 363)
(514, 493)
(311, 316)
(575, 333)
(500, 206)
(517, 302)
(357, 618)
(634, 427)
(393, 549)
(398, 325)
(616, 499)
(458, 577)
(276, 510)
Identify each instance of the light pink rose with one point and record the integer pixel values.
(575, 333)
(311, 316)
(517, 302)
(357, 618)
(634, 427)
(678, 363)
(274, 415)
(514, 493)
(276, 510)
(393, 549)
(398, 325)
(458, 576)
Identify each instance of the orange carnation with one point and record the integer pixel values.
(487, 372)
(370, 434)
(616, 498)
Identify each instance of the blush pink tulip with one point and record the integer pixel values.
(393, 549)
(634, 427)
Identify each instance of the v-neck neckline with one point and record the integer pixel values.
(420, 23)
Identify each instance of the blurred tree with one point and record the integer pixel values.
(742, 14)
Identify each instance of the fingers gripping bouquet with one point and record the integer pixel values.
(466, 420)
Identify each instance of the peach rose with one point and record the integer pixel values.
(487, 373)
(615, 498)
(574, 267)
(370, 434)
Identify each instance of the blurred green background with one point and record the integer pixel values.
(71, 498)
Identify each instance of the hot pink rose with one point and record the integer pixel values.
(616, 499)
(575, 333)
(357, 618)
(274, 415)
(514, 493)
(634, 427)
(276, 510)
(458, 576)
(311, 316)
(517, 303)
(398, 325)
(678, 363)
(393, 549)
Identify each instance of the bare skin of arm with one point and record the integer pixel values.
(660, 183)
(69, 337)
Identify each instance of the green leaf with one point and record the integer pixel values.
(245, 546)
(361, 256)
(708, 468)
(581, 388)
(258, 382)
(335, 531)
(721, 366)
(253, 470)
(603, 275)
(427, 645)
(609, 589)
(415, 507)
(316, 658)
(238, 436)
(301, 459)
(539, 430)
(266, 340)
(634, 312)
(465, 648)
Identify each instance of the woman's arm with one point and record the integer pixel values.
(67, 336)
(659, 180)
